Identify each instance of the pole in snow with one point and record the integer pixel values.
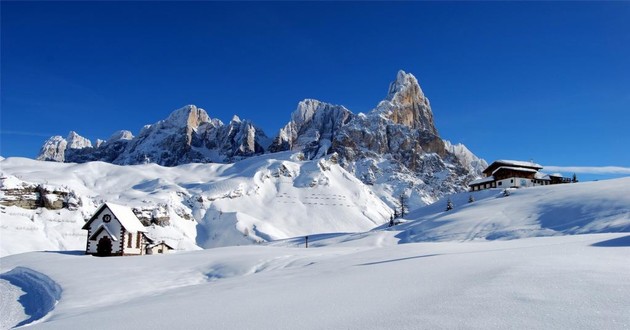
(306, 238)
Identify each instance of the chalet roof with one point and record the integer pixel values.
(518, 163)
(482, 180)
(125, 216)
(511, 163)
(557, 175)
(514, 168)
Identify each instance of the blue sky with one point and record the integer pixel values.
(548, 81)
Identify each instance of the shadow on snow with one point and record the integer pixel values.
(41, 292)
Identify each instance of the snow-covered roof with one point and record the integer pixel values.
(518, 163)
(557, 175)
(514, 168)
(126, 217)
(541, 176)
(482, 180)
(152, 245)
(106, 228)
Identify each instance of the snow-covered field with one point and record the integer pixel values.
(541, 258)
(563, 282)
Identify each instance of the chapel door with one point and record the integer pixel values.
(104, 247)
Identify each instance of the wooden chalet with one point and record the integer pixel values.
(515, 174)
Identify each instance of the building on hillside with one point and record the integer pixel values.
(114, 230)
(515, 174)
(159, 248)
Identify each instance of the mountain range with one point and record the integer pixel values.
(395, 147)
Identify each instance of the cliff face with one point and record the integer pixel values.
(313, 127)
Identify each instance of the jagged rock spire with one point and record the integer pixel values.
(406, 104)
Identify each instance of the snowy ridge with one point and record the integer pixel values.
(255, 200)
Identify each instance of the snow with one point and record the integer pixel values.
(518, 163)
(577, 208)
(568, 282)
(12, 311)
(209, 205)
(520, 169)
(126, 217)
(482, 180)
(544, 257)
(40, 295)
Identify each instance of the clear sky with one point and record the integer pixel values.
(548, 81)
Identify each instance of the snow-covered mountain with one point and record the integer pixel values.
(395, 147)
(188, 135)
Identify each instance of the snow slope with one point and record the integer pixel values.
(255, 200)
(588, 207)
(564, 282)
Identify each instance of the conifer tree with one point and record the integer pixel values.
(471, 199)
(404, 208)
(449, 205)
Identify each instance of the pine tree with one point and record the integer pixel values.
(449, 205)
(471, 199)
(391, 221)
(574, 179)
(404, 208)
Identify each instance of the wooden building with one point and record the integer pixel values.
(515, 174)
(114, 230)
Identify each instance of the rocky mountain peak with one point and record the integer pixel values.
(76, 141)
(312, 128)
(121, 135)
(406, 104)
(188, 116)
(53, 149)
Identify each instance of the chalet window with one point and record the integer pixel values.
(511, 180)
(500, 183)
(129, 239)
(159, 250)
(138, 240)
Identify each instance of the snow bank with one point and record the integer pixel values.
(40, 296)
